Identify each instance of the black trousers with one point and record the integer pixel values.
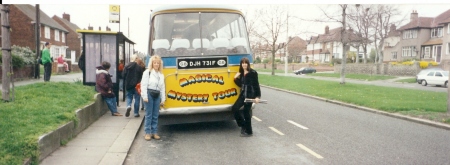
(47, 71)
(243, 119)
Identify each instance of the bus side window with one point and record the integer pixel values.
(180, 46)
(160, 46)
(238, 45)
(221, 45)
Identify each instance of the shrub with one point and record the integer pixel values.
(27, 55)
(17, 61)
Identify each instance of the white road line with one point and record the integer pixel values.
(275, 130)
(254, 117)
(296, 124)
(309, 151)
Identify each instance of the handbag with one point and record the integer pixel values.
(40, 61)
(153, 93)
(138, 88)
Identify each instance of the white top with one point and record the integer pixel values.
(154, 81)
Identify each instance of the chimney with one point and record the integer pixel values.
(327, 30)
(66, 16)
(108, 29)
(90, 27)
(99, 28)
(414, 16)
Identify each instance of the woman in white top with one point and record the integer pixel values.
(152, 82)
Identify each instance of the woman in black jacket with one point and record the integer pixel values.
(247, 79)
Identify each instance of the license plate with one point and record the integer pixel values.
(200, 63)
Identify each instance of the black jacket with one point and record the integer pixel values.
(249, 84)
(132, 75)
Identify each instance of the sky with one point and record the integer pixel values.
(135, 15)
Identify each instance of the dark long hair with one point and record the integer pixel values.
(244, 60)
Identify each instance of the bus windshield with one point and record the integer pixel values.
(197, 34)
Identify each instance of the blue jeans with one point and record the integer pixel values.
(137, 100)
(111, 102)
(151, 114)
(121, 84)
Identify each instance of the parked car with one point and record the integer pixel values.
(305, 70)
(424, 72)
(434, 77)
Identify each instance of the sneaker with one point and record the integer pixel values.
(117, 114)
(155, 136)
(128, 112)
(148, 137)
(137, 115)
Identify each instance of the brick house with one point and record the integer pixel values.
(424, 38)
(22, 20)
(73, 38)
(323, 48)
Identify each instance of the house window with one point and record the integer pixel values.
(55, 52)
(56, 35)
(448, 48)
(63, 37)
(408, 51)
(47, 32)
(426, 53)
(436, 32)
(394, 55)
(407, 34)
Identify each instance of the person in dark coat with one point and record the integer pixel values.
(132, 75)
(104, 86)
(81, 61)
(247, 79)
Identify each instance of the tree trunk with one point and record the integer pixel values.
(344, 45)
(6, 53)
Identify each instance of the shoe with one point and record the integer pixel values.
(128, 112)
(148, 137)
(142, 108)
(137, 115)
(155, 136)
(242, 130)
(117, 114)
(245, 134)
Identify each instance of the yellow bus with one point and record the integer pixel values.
(201, 47)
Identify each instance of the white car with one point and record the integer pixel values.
(433, 77)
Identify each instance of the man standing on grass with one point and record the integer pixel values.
(47, 62)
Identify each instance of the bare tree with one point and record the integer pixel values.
(385, 15)
(362, 20)
(272, 25)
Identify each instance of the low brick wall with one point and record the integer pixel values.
(86, 116)
(23, 73)
(380, 69)
(295, 66)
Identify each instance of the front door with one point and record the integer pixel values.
(438, 53)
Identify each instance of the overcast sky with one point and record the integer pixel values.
(135, 15)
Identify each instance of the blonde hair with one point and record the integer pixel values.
(157, 58)
(133, 57)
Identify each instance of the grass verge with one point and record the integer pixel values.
(38, 108)
(396, 100)
(355, 76)
(408, 80)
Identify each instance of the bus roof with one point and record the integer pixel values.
(195, 8)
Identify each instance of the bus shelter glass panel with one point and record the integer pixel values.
(196, 34)
(109, 52)
(92, 56)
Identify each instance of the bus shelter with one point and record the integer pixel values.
(99, 46)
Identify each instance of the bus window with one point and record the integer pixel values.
(213, 33)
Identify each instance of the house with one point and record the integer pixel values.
(391, 45)
(22, 19)
(425, 38)
(73, 38)
(325, 47)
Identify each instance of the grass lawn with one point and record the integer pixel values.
(395, 100)
(38, 108)
(270, 70)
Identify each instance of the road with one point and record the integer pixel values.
(293, 129)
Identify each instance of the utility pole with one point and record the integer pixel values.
(37, 27)
(128, 27)
(344, 42)
(6, 52)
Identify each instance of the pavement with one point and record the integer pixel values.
(107, 141)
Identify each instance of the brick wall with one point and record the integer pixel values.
(72, 40)
(22, 33)
(24, 73)
(295, 66)
(381, 69)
